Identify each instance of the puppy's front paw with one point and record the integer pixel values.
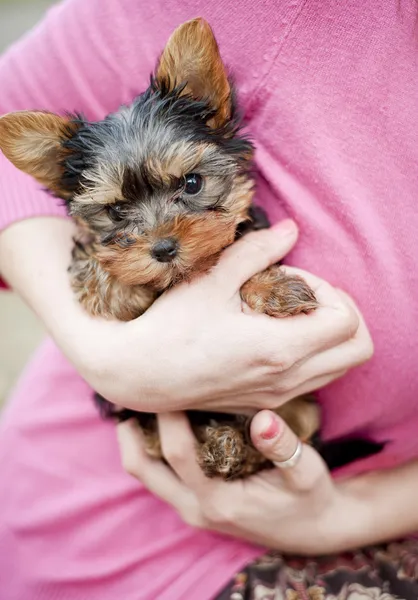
(277, 294)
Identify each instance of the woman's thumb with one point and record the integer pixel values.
(298, 464)
(256, 252)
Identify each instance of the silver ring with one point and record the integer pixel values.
(293, 460)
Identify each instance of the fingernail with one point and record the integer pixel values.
(286, 227)
(269, 426)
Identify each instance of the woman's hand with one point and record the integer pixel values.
(196, 347)
(295, 510)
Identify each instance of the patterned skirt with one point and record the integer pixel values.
(388, 572)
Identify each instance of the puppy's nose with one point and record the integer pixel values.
(165, 250)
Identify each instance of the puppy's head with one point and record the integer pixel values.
(163, 183)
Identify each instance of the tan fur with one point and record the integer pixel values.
(201, 238)
(177, 161)
(192, 55)
(101, 186)
(277, 294)
(302, 415)
(240, 197)
(32, 142)
(100, 293)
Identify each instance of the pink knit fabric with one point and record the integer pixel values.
(330, 90)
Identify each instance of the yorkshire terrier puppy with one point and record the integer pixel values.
(158, 189)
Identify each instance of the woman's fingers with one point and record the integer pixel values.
(334, 322)
(178, 445)
(329, 364)
(352, 353)
(288, 378)
(157, 477)
(325, 328)
(249, 404)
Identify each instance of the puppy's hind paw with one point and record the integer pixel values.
(223, 453)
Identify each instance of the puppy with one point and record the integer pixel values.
(158, 190)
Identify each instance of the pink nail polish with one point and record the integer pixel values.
(271, 428)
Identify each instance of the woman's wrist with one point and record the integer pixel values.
(346, 524)
(374, 508)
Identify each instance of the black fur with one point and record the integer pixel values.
(258, 220)
(341, 452)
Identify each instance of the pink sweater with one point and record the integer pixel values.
(330, 90)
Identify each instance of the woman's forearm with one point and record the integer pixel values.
(388, 505)
(34, 258)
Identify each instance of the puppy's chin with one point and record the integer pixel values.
(201, 238)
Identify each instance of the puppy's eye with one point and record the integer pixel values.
(193, 183)
(115, 211)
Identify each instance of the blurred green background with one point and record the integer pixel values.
(20, 332)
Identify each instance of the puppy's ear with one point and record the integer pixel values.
(32, 141)
(192, 56)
